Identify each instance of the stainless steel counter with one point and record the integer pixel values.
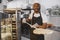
(55, 28)
(49, 34)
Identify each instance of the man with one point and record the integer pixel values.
(37, 20)
(37, 17)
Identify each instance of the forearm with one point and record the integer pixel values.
(25, 20)
(44, 26)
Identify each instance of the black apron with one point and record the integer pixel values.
(37, 20)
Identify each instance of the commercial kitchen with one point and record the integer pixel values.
(13, 27)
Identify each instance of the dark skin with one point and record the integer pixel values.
(36, 8)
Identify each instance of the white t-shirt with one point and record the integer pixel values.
(44, 17)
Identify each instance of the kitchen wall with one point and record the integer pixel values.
(45, 4)
(4, 2)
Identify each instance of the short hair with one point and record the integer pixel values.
(37, 4)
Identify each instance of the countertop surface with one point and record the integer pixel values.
(43, 31)
(54, 28)
(49, 33)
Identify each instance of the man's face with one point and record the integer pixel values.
(36, 7)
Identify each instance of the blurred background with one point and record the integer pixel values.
(51, 8)
(47, 6)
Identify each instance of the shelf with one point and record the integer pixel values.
(13, 36)
(14, 24)
(11, 10)
(14, 33)
(13, 28)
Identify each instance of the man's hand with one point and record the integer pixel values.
(27, 20)
(49, 25)
(44, 26)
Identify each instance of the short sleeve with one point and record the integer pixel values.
(44, 17)
(30, 16)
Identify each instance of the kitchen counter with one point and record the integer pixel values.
(48, 34)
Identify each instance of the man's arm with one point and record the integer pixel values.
(30, 17)
(44, 25)
(45, 20)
